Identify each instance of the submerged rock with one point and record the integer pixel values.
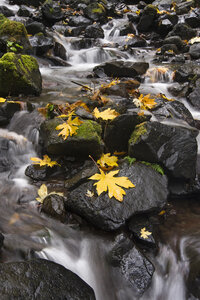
(7, 110)
(19, 74)
(43, 280)
(173, 147)
(149, 194)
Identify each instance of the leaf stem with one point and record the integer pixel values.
(95, 162)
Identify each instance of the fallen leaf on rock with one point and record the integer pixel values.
(107, 160)
(43, 193)
(144, 233)
(147, 102)
(108, 114)
(89, 194)
(112, 184)
(2, 100)
(69, 127)
(45, 161)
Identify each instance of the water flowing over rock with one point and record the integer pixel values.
(174, 147)
(150, 194)
(42, 279)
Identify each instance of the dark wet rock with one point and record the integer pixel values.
(7, 110)
(51, 281)
(110, 214)
(95, 11)
(179, 59)
(35, 27)
(35, 3)
(1, 240)
(51, 12)
(53, 205)
(24, 11)
(6, 11)
(60, 51)
(82, 43)
(36, 172)
(172, 17)
(169, 47)
(136, 41)
(179, 90)
(164, 26)
(86, 142)
(122, 69)
(19, 74)
(136, 269)
(4, 157)
(174, 40)
(195, 51)
(139, 222)
(194, 98)
(79, 21)
(184, 7)
(127, 28)
(180, 189)
(173, 147)
(41, 44)
(94, 31)
(187, 72)
(193, 18)
(184, 31)
(118, 131)
(120, 89)
(147, 18)
(74, 31)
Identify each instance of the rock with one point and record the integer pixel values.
(35, 3)
(79, 21)
(184, 31)
(195, 51)
(19, 74)
(42, 279)
(122, 88)
(179, 90)
(193, 18)
(35, 27)
(1, 240)
(110, 214)
(173, 147)
(118, 131)
(60, 51)
(164, 26)
(169, 47)
(36, 172)
(184, 7)
(53, 205)
(176, 40)
(95, 11)
(187, 72)
(94, 31)
(82, 43)
(194, 98)
(6, 11)
(127, 28)
(24, 11)
(136, 269)
(7, 110)
(122, 68)
(73, 31)
(41, 44)
(86, 142)
(51, 12)
(15, 33)
(5, 163)
(147, 18)
(136, 41)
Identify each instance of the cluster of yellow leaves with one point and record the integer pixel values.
(69, 127)
(2, 100)
(43, 193)
(107, 182)
(45, 161)
(112, 83)
(107, 114)
(106, 160)
(144, 102)
(164, 97)
(144, 233)
(129, 36)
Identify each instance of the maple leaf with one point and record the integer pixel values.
(69, 127)
(45, 161)
(144, 233)
(108, 114)
(147, 102)
(43, 193)
(89, 194)
(107, 160)
(2, 100)
(112, 184)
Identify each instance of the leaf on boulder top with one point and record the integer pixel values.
(2, 100)
(146, 102)
(112, 184)
(43, 193)
(108, 114)
(144, 233)
(69, 127)
(45, 161)
(107, 160)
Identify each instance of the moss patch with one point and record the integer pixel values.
(140, 129)
(89, 130)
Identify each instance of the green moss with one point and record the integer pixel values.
(140, 129)
(12, 28)
(89, 130)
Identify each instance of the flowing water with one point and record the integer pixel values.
(82, 251)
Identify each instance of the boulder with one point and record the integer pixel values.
(127, 28)
(43, 280)
(5, 163)
(34, 27)
(173, 147)
(82, 43)
(110, 214)
(19, 74)
(4, 10)
(95, 11)
(147, 18)
(194, 98)
(53, 205)
(122, 68)
(79, 21)
(184, 7)
(86, 142)
(24, 11)
(35, 3)
(7, 110)
(136, 41)
(193, 18)
(195, 51)
(94, 31)
(36, 172)
(174, 40)
(164, 26)
(41, 44)
(187, 72)
(183, 30)
(51, 12)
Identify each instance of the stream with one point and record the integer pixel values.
(29, 233)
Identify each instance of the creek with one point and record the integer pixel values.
(28, 233)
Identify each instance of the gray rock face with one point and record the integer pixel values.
(149, 194)
(184, 31)
(195, 51)
(194, 97)
(173, 147)
(41, 279)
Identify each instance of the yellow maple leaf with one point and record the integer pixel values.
(69, 127)
(112, 184)
(146, 102)
(2, 100)
(45, 161)
(144, 233)
(108, 114)
(43, 193)
(107, 160)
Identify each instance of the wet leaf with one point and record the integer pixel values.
(108, 114)
(144, 233)
(107, 160)
(162, 213)
(112, 184)
(89, 194)
(69, 127)
(43, 193)
(147, 102)
(2, 100)
(45, 161)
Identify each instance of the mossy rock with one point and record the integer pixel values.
(19, 74)
(86, 142)
(15, 32)
(95, 11)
